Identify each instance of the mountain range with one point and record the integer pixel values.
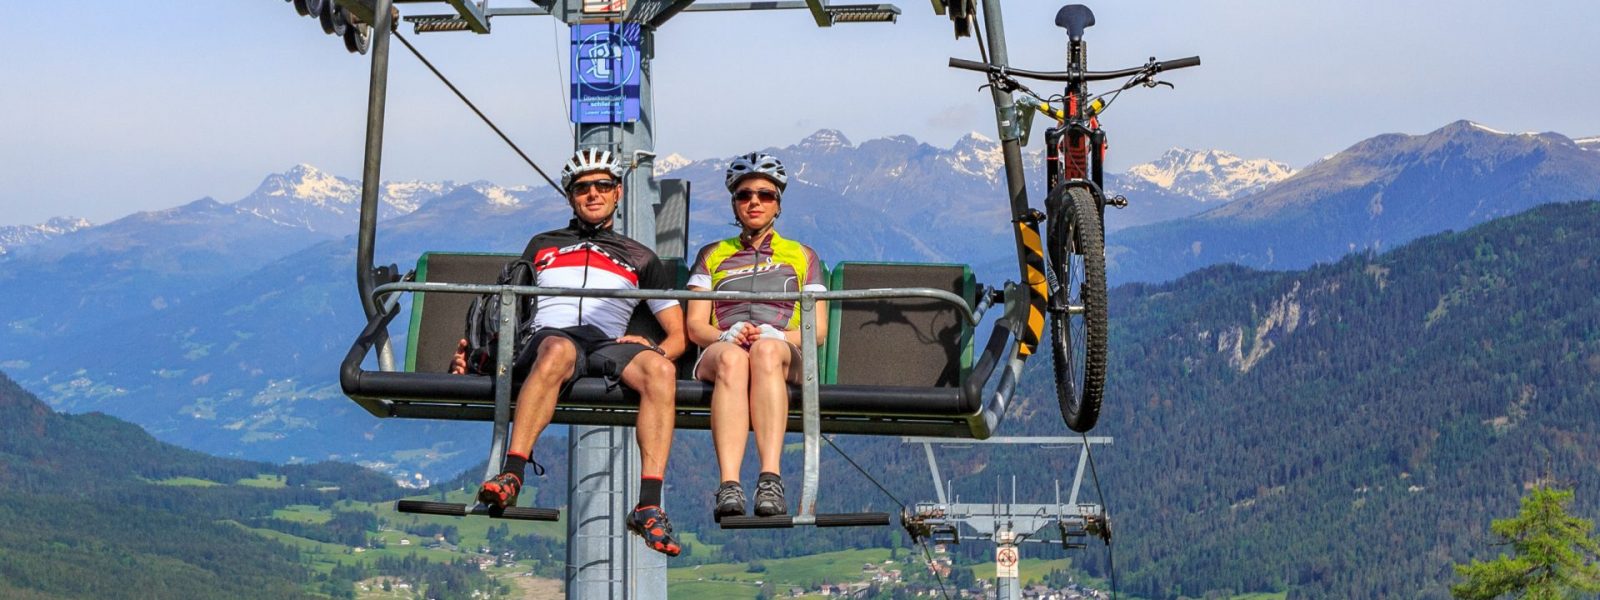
(1377, 194)
(226, 320)
(218, 326)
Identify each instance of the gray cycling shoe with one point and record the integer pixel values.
(729, 502)
(769, 498)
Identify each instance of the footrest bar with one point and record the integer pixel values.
(870, 519)
(452, 509)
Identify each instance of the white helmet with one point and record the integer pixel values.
(589, 160)
(757, 163)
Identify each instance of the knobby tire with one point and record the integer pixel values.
(1077, 341)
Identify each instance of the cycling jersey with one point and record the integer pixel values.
(579, 257)
(772, 264)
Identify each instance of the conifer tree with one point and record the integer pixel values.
(1554, 555)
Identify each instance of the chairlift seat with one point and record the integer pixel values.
(920, 349)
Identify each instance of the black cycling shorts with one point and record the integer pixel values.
(599, 355)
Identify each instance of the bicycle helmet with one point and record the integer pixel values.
(589, 160)
(757, 163)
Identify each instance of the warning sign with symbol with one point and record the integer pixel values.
(1005, 562)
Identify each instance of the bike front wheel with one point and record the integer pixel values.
(1078, 303)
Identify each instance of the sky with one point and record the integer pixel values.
(108, 108)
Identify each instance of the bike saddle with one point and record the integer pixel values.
(1075, 18)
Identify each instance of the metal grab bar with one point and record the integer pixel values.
(969, 313)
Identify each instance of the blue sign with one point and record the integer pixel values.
(605, 73)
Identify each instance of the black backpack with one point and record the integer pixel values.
(483, 320)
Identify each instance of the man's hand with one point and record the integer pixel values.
(634, 339)
(458, 365)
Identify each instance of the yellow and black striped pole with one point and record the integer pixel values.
(1032, 260)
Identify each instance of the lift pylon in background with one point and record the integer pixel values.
(1008, 524)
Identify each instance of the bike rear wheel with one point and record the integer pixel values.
(1078, 303)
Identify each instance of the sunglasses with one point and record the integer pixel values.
(762, 195)
(604, 186)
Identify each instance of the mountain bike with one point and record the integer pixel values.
(1075, 207)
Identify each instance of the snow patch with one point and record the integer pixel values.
(1482, 127)
(826, 140)
(17, 236)
(496, 195)
(1210, 174)
(977, 155)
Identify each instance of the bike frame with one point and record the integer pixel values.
(1075, 150)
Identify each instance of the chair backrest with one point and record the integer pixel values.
(438, 320)
(899, 342)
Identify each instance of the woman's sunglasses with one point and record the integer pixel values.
(763, 195)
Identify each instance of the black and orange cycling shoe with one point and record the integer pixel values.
(651, 523)
(500, 491)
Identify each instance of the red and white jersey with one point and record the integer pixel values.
(575, 257)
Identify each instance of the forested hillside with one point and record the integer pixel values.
(1350, 430)
(1347, 431)
(93, 507)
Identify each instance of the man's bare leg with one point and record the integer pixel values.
(536, 401)
(536, 404)
(655, 378)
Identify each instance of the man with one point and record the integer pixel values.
(572, 337)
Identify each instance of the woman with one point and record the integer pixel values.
(752, 349)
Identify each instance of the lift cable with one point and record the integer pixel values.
(924, 543)
(977, 36)
(1105, 511)
(561, 92)
(475, 110)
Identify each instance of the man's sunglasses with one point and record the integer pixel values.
(763, 195)
(604, 186)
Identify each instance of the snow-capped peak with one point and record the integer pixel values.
(670, 163)
(496, 195)
(825, 140)
(406, 196)
(309, 184)
(1210, 174)
(1588, 143)
(976, 137)
(17, 236)
(975, 154)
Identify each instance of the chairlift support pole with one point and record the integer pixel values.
(377, 95)
(1029, 244)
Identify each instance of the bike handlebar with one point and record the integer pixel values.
(1067, 76)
